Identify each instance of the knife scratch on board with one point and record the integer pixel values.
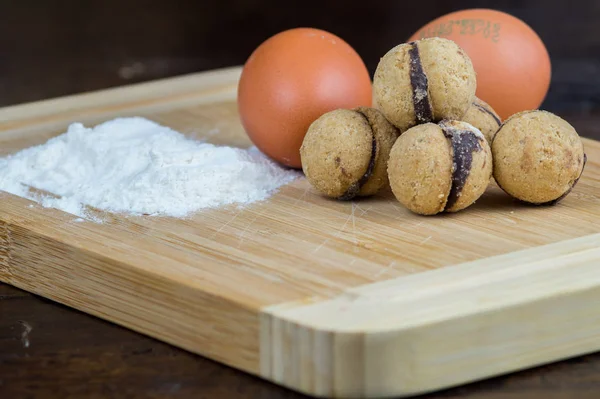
(263, 274)
(302, 197)
(364, 211)
(397, 209)
(243, 233)
(385, 269)
(354, 241)
(340, 231)
(425, 240)
(226, 224)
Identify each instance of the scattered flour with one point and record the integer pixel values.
(136, 166)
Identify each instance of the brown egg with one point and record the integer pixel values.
(290, 80)
(511, 61)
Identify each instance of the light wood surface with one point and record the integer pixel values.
(330, 298)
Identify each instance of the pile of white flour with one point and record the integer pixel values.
(135, 166)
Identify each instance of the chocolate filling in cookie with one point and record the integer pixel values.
(464, 143)
(487, 111)
(355, 187)
(419, 83)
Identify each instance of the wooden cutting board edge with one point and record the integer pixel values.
(400, 337)
(532, 296)
(440, 328)
(199, 88)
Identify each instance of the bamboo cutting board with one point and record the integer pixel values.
(345, 299)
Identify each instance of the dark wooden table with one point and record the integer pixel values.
(51, 351)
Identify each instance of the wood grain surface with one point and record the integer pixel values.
(50, 351)
(295, 247)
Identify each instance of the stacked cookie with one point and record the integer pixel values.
(435, 143)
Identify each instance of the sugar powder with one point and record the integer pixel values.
(136, 166)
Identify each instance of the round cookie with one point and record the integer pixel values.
(481, 115)
(424, 81)
(539, 157)
(442, 167)
(344, 153)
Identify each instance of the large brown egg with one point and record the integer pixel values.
(292, 79)
(511, 61)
